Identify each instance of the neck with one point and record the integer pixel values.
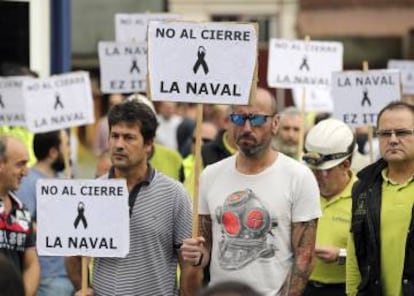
(133, 176)
(252, 166)
(45, 169)
(400, 172)
(342, 183)
(4, 194)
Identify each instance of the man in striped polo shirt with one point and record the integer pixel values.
(160, 213)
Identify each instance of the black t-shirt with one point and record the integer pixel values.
(16, 231)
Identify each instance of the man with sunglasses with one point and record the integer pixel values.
(258, 209)
(381, 242)
(330, 146)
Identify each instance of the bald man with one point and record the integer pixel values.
(17, 239)
(258, 209)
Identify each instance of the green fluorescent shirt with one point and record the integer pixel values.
(397, 202)
(333, 229)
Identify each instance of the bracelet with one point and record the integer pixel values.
(199, 261)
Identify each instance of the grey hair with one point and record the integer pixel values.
(290, 111)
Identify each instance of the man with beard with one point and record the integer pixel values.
(49, 149)
(287, 137)
(258, 210)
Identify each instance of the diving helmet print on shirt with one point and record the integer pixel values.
(246, 230)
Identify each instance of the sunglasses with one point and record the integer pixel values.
(315, 158)
(399, 133)
(255, 119)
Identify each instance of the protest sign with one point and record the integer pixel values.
(202, 62)
(58, 102)
(360, 95)
(132, 27)
(82, 217)
(318, 99)
(123, 67)
(11, 101)
(294, 63)
(406, 68)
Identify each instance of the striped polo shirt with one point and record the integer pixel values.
(160, 219)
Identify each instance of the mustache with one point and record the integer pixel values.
(247, 136)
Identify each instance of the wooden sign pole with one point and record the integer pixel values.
(365, 68)
(197, 168)
(301, 139)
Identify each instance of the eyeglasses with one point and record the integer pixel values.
(315, 158)
(399, 133)
(255, 119)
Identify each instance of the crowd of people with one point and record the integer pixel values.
(273, 219)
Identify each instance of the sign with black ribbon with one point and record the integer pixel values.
(123, 67)
(80, 231)
(58, 102)
(202, 62)
(81, 216)
(300, 63)
(360, 95)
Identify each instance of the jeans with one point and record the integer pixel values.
(54, 286)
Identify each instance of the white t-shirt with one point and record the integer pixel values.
(252, 216)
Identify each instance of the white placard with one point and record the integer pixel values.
(58, 102)
(317, 99)
(360, 95)
(294, 63)
(406, 68)
(123, 67)
(11, 101)
(201, 62)
(82, 217)
(132, 27)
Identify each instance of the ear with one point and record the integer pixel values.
(53, 153)
(347, 164)
(149, 148)
(275, 124)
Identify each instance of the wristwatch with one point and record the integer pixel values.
(341, 257)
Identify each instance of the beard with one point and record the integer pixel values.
(59, 164)
(254, 149)
(288, 149)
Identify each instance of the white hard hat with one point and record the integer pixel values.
(142, 99)
(328, 144)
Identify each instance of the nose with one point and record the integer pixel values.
(393, 138)
(119, 143)
(247, 125)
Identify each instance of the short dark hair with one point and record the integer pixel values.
(43, 142)
(134, 112)
(395, 105)
(233, 287)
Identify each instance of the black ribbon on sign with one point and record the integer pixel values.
(81, 216)
(134, 66)
(201, 53)
(58, 102)
(304, 64)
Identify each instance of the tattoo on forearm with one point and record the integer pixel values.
(303, 244)
(205, 229)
